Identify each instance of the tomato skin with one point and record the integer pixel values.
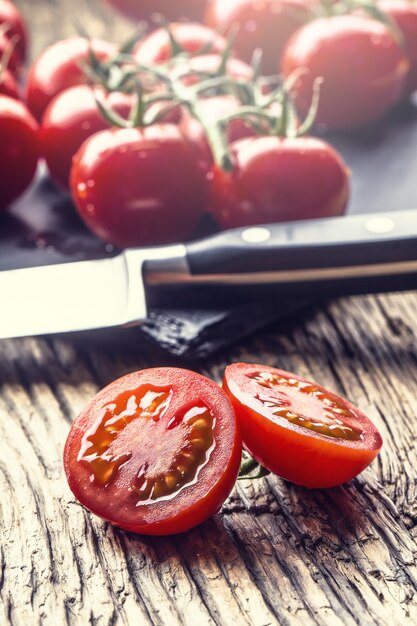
(146, 9)
(8, 85)
(277, 179)
(294, 452)
(196, 501)
(267, 25)
(192, 37)
(72, 117)
(19, 149)
(363, 69)
(135, 187)
(404, 14)
(60, 67)
(11, 15)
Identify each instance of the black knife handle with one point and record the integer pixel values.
(360, 240)
(345, 255)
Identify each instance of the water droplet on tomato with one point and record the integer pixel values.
(251, 26)
(86, 125)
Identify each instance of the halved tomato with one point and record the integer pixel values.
(156, 452)
(297, 429)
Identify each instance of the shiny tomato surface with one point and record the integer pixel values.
(136, 187)
(276, 179)
(404, 14)
(72, 117)
(156, 452)
(193, 38)
(152, 9)
(10, 15)
(61, 66)
(297, 429)
(362, 66)
(8, 84)
(265, 24)
(19, 149)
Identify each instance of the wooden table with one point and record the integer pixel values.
(276, 553)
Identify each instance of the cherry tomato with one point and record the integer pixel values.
(10, 15)
(70, 119)
(265, 24)
(297, 429)
(8, 84)
(193, 38)
(404, 14)
(19, 151)
(136, 187)
(60, 67)
(277, 179)
(211, 109)
(156, 452)
(363, 69)
(170, 9)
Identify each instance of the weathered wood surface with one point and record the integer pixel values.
(277, 553)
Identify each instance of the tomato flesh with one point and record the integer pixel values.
(155, 452)
(298, 429)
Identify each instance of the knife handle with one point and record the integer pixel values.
(348, 254)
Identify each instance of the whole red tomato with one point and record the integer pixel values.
(265, 24)
(193, 38)
(363, 69)
(138, 186)
(212, 109)
(61, 66)
(169, 9)
(297, 429)
(19, 151)
(156, 452)
(9, 56)
(8, 84)
(404, 14)
(277, 179)
(10, 15)
(70, 119)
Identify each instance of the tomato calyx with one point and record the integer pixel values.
(248, 466)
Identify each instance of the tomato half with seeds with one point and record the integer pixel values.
(298, 429)
(156, 452)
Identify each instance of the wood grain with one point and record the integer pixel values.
(277, 553)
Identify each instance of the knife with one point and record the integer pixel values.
(306, 259)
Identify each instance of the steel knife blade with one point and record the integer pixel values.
(339, 255)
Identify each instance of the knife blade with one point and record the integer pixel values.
(340, 255)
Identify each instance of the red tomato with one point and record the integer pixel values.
(363, 69)
(70, 119)
(8, 84)
(297, 429)
(170, 9)
(10, 15)
(278, 179)
(19, 149)
(211, 109)
(404, 14)
(193, 39)
(60, 67)
(265, 24)
(136, 187)
(156, 452)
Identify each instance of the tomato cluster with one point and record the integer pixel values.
(158, 451)
(149, 137)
